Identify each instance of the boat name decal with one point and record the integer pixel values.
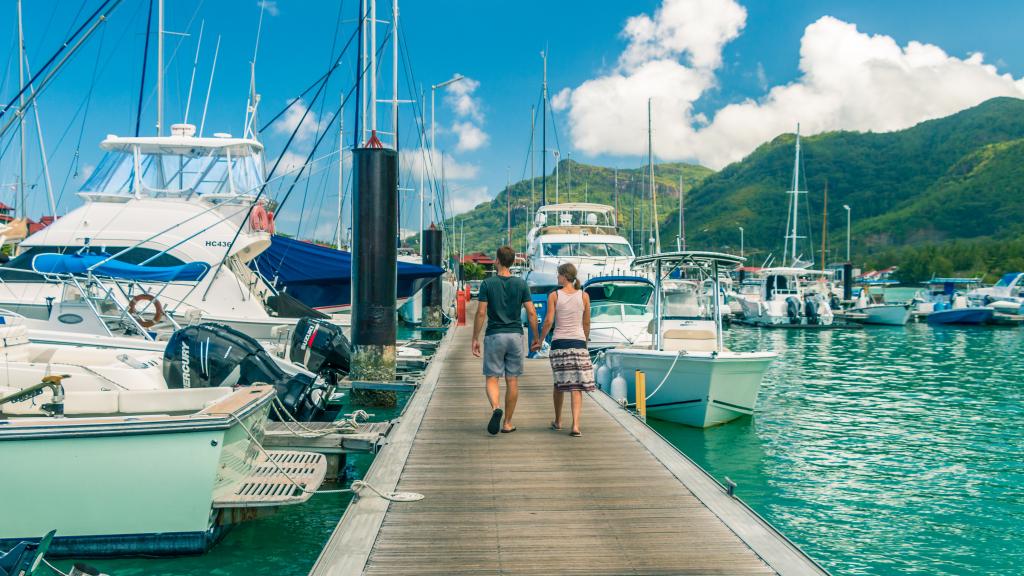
(218, 243)
(186, 373)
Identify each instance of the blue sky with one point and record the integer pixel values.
(497, 45)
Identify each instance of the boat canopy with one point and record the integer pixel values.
(1008, 279)
(956, 281)
(104, 265)
(321, 276)
(690, 258)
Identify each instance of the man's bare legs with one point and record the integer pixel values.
(558, 396)
(577, 406)
(511, 397)
(493, 391)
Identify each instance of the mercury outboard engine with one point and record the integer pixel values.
(793, 309)
(321, 347)
(811, 310)
(210, 355)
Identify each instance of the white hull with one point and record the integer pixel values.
(886, 314)
(702, 390)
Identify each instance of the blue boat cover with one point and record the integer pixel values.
(606, 279)
(81, 264)
(321, 277)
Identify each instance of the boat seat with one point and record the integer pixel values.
(180, 400)
(690, 340)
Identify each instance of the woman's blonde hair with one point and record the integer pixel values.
(568, 271)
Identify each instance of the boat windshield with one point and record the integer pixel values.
(682, 301)
(177, 172)
(617, 311)
(1007, 279)
(588, 249)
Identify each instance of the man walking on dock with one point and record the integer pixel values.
(501, 298)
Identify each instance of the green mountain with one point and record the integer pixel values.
(945, 196)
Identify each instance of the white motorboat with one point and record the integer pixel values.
(1006, 295)
(583, 234)
(142, 472)
(788, 296)
(692, 378)
(877, 311)
(620, 310)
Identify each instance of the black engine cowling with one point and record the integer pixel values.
(211, 355)
(320, 346)
(811, 311)
(793, 309)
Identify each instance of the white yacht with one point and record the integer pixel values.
(692, 378)
(584, 234)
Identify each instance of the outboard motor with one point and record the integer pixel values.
(811, 310)
(793, 309)
(834, 302)
(210, 355)
(321, 347)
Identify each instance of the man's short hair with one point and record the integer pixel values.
(506, 256)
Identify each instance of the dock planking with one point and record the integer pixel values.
(618, 500)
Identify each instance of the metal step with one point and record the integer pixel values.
(273, 480)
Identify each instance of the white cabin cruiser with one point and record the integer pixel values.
(582, 233)
(877, 311)
(692, 378)
(1006, 295)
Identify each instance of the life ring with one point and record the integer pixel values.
(158, 313)
(258, 218)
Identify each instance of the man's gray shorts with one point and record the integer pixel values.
(503, 355)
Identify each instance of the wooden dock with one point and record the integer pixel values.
(619, 500)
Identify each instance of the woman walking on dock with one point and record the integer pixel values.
(569, 312)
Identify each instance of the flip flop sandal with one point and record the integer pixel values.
(509, 431)
(575, 434)
(556, 428)
(495, 424)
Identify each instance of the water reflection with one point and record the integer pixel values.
(884, 450)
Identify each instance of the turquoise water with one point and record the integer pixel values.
(879, 451)
(888, 450)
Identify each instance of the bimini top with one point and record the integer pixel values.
(102, 265)
(689, 258)
(181, 144)
(790, 271)
(576, 207)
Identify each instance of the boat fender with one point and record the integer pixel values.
(603, 375)
(793, 309)
(618, 388)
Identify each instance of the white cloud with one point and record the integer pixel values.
(287, 123)
(560, 101)
(465, 199)
(849, 80)
(416, 161)
(270, 6)
(459, 96)
(470, 136)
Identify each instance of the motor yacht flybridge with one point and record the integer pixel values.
(153, 207)
(584, 234)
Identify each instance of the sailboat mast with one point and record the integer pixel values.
(423, 168)
(341, 167)
(544, 133)
(533, 153)
(160, 68)
(794, 205)
(373, 66)
(394, 71)
(21, 113)
(824, 226)
(508, 203)
(654, 187)
(682, 214)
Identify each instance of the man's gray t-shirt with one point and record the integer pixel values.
(505, 296)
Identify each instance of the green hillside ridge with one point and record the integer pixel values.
(949, 190)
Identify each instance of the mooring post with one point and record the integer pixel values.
(433, 316)
(374, 271)
(847, 281)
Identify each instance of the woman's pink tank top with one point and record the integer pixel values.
(569, 316)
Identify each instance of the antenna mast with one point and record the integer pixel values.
(654, 187)
(544, 133)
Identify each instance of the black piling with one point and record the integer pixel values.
(848, 281)
(432, 254)
(374, 269)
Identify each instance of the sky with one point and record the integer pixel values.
(723, 76)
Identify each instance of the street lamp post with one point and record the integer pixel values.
(847, 208)
(741, 241)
